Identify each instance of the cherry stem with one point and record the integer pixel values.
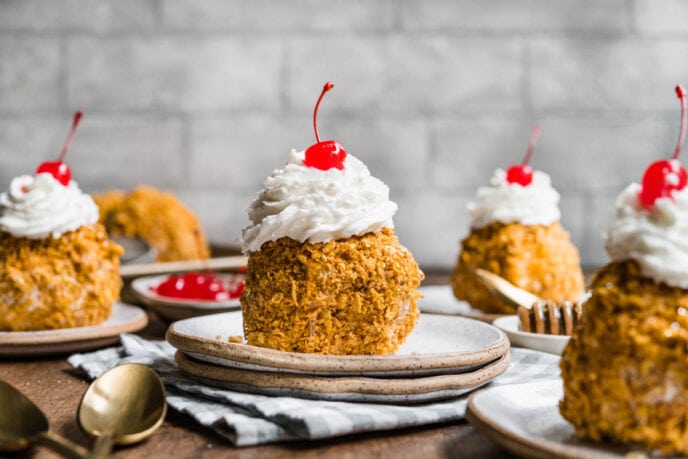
(77, 119)
(534, 136)
(329, 85)
(681, 93)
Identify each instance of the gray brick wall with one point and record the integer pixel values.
(206, 97)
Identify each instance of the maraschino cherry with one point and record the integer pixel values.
(200, 286)
(328, 153)
(522, 174)
(663, 177)
(59, 168)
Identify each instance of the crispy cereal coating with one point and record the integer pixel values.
(624, 369)
(537, 258)
(349, 296)
(157, 217)
(71, 281)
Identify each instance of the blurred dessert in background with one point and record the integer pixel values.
(326, 272)
(516, 234)
(624, 369)
(58, 269)
(157, 217)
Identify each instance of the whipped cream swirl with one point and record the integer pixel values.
(39, 207)
(535, 204)
(656, 239)
(308, 204)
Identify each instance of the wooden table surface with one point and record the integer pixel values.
(56, 388)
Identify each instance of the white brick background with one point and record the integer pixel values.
(206, 97)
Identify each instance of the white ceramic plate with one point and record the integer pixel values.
(125, 318)
(440, 299)
(344, 388)
(525, 419)
(177, 309)
(438, 344)
(552, 344)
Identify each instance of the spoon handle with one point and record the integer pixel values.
(62, 446)
(232, 262)
(506, 290)
(102, 446)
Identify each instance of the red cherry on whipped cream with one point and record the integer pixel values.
(59, 168)
(522, 174)
(200, 286)
(328, 153)
(663, 177)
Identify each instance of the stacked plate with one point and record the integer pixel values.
(443, 357)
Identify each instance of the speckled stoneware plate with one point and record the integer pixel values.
(344, 388)
(125, 318)
(552, 344)
(524, 419)
(438, 344)
(177, 309)
(439, 299)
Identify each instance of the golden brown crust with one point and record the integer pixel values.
(537, 258)
(158, 218)
(624, 369)
(71, 281)
(349, 296)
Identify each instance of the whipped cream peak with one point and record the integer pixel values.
(654, 238)
(313, 205)
(534, 204)
(37, 207)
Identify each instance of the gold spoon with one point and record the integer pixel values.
(506, 290)
(125, 405)
(22, 423)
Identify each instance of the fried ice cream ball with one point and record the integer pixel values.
(537, 258)
(70, 281)
(624, 369)
(158, 218)
(348, 296)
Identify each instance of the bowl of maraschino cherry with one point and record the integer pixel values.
(190, 294)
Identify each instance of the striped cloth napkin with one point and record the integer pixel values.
(247, 419)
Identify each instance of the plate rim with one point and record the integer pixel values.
(43, 338)
(551, 344)
(303, 362)
(223, 362)
(366, 385)
(506, 320)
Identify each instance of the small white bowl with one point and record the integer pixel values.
(178, 308)
(552, 344)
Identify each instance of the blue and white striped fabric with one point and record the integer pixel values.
(247, 419)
